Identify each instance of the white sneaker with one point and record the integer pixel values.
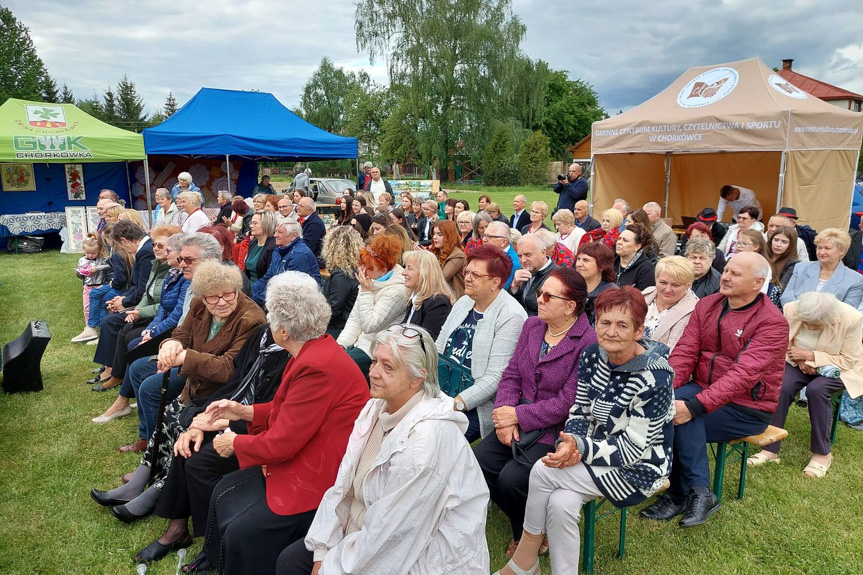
(88, 334)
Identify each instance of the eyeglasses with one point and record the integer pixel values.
(409, 332)
(486, 237)
(473, 275)
(214, 299)
(745, 245)
(187, 260)
(545, 296)
(159, 245)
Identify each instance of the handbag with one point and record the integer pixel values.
(527, 439)
(453, 377)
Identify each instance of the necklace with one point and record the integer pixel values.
(552, 334)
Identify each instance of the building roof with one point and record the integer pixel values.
(817, 88)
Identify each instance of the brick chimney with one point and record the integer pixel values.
(786, 63)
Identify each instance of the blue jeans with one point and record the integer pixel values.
(148, 385)
(98, 298)
(690, 467)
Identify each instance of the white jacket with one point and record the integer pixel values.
(375, 311)
(426, 497)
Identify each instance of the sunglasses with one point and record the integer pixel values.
(545, 296)
(187, 260)
(214, 299)
(159, 245)
(408, 332)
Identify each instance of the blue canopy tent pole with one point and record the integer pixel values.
(228, 171)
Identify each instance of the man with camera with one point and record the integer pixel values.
(571, 188)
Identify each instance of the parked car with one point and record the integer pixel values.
(326, 190)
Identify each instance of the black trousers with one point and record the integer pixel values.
(128, 333)
(190, 483)
(507, 478)
(295, 560)
(243, 534)
(109, 336)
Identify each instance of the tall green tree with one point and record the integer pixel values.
(130, 106)
(170, 105)
(571, 108)
(66, 95)
(532, 160)
(498, 162)
(324, 95)
(453, 58)
(22, 73)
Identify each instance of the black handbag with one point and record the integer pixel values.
(527, 439)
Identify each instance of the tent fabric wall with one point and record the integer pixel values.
(816, 182)
(639, 178)
(697, 178)
(51, 195)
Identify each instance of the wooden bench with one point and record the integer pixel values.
(592, 512)
(740, 447)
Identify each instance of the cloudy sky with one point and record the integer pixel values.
(627, 49)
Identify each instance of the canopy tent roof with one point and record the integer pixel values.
(250, 124)
(36, 132)
(733, 107)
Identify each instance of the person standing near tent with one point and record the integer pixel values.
(571, 189)
(301, 181)
(185, 184)
(738, 198)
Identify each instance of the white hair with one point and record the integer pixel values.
(368, 165)
(292, 226)
(761, 267)
(652, 206)
(545, 237)
(498, 229)
(819, 308)
(185, 176)
(418, 354)
(190, 197)
(225, 194)
(295, 303)
(208, 246)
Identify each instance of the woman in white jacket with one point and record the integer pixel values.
(380, 301)
(409, 497)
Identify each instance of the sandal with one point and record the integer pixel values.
(761, 458)
(199, 564)
(817, 470)
(518, 571)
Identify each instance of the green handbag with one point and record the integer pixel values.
(453, 376)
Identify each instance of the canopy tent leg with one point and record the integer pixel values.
(147, 190)
(228, 168)
(591, 185)
(667, 182)
(853, 188)
(781, 182)
(129, 186)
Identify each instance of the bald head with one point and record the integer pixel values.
(305, 207)
(581, 209)
(574, 170)
(743, 278)
(653, 211)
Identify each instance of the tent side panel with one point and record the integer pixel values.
(638, 178)
(819, 184)
(696, 179)
(51, 188)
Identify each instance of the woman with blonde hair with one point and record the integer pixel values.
(341, 251)
(671, 301)
(128, 214)
(538, 213)
(112, 214)
(430, 297)
(426, 222)
(609, 229)
(827, 274)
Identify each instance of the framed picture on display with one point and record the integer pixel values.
(76, 228)
(75, 182)
(92, 219)
(17, 177)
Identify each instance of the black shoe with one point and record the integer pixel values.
(663, 509)
(122, 513)
(199, 564)
(155, 550)
(96, 379)
(102, 498)
(698, 508)
(98, 370)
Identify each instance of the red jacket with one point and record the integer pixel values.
(301, 435)
(739, 359)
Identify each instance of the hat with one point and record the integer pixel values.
(787, 212)
(707, 215)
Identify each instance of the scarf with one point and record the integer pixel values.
(245, 393)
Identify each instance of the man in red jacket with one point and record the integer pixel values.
(728, 373)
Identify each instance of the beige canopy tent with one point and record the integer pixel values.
(738, 123)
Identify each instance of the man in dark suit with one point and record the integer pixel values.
(313, 226)
(132, 239)
(583, 219)
(535, 267)
(571, 189)
(521, 217)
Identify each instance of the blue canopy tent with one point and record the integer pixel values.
(244, 125)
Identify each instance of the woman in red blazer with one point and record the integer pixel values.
(295, 443)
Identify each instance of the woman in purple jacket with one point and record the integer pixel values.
(535, 393)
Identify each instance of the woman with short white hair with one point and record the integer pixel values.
(185, 184)
(409, 496)
(196, 218)
(825, 354)
(568, 233)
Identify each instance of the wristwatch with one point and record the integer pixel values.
(459, 405)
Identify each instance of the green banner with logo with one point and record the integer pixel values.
(35, 132)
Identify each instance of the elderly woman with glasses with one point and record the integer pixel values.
(827, 274)
(166, 211)
(195, 216)
(616, 443)
(824, 355)
(295, 443)
(409, 496)
(535, 393)
(478, 338)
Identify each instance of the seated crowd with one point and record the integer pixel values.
(349, 400)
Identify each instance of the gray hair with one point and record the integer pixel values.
(652, 206)
(164, 192)
(190, 197)
(480, 217)
(307, 171)
(702, 246)
(498, 229)
(225, 195)
(625, 205)
(208, 246)
(819, 308)
(175, 242)
(292, 227)
(417, 354)
(295, 303)
(544, 237)
(185, 176)
(368, 165)
(269, 221)
(761, 269)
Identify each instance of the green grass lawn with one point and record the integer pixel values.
(52, 455)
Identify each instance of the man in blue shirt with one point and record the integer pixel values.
(571, 189)
(497, 234)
